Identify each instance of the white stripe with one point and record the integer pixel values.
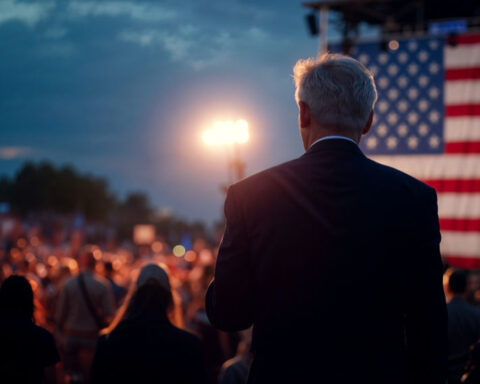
(462, 129)
(462, 56)
(460, 244)
(435, 166)
(459, 205)
(462, 92)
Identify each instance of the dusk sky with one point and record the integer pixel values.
(124, 89)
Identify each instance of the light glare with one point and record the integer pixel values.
(227, 132)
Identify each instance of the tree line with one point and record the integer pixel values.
(45, 188)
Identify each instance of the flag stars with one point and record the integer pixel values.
(423, 80)
(412, 69)
(423, 105)
(422, 56)
(434, 92)
(412, 45)
(402, 106)
(392, 118)
(402, 130)
(433, 68)
(382, 130)
(382, 106)
(423, 129)
(402, 81)
(392, 142)
(392, 94)
(403, 57)
(383, 82)
(382, 58)
(372, 142)
(433, 44)
(412, 93)
(392, 69)
(434, 141)
(363, 58)
(412, 118)
(434, 117)
(412, 142)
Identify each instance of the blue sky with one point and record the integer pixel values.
(123, 90)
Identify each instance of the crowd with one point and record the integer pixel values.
(76, 312)
(102, 312)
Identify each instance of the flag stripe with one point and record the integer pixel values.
(462, 73)
(463, 92)
(462, 261)
(455, 185)
(462, 56)
(464, 225)
(462, 110)
(431, 167)
(459, 206)
(468, 39)
(462, 128)
(460, 243)
(462, 147)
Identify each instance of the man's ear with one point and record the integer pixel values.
(304, 115)
(369, 124)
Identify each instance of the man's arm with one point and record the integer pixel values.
(229, 297)
(426, 314)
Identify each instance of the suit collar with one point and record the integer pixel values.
(339, 144)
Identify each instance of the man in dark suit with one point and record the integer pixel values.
(333, 258)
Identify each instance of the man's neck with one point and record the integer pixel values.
(319, 133)
(332, 137)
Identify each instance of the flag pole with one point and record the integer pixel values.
(323, 30)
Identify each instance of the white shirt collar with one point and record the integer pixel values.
(332, 137)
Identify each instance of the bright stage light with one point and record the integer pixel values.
(227, 132)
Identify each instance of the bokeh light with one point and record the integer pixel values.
(178, 250)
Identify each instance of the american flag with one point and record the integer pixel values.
(428, 125)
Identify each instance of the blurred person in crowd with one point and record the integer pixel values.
(28, 353)
(118, 291)
(473, 289)
(235, 370)
(142, 345)
(463, 326)
(85, 306)
(329, 228)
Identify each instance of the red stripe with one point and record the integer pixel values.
(463, 110)
(454, 185)
(462, 147)
(462, 225)
(467, 39)
(463, 262)
(462, 73)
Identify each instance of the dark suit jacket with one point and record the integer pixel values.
(334, 259)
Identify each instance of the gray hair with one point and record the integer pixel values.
(339, 90)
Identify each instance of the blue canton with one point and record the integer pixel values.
(409, 113)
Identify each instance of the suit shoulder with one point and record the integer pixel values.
(262, 177)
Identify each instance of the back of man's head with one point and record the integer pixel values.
(339, 90)
(458, 282)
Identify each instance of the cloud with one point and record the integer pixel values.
(9, 153)
(137, 11)
(142, 38)
(198, 48)
(27, 13)
(55, 32)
